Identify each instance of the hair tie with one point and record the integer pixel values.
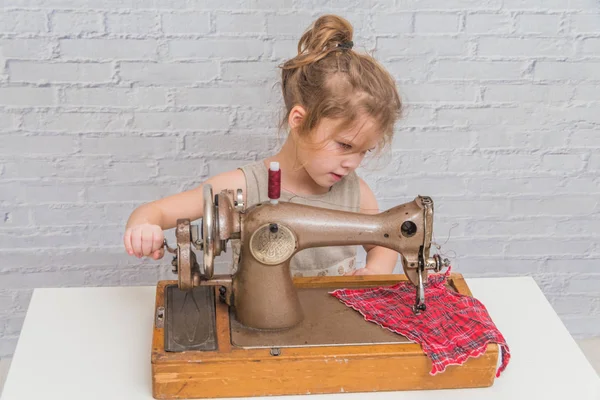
(346, 45)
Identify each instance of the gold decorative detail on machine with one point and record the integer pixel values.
(272, 244)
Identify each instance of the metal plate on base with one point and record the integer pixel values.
(327, 322)
(190, 319)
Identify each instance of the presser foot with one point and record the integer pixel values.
(436, 264)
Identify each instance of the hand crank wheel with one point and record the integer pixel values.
(208, 232)
(185, 256)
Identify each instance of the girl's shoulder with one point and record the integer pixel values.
(256, 179)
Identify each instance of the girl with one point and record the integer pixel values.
(339, 106)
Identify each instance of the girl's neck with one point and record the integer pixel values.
(294, 177)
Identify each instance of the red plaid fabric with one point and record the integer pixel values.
(453, 328)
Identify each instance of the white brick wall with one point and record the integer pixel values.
(106, 104)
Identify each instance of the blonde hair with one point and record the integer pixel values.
(330, 80)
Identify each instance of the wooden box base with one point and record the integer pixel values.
(236, 372)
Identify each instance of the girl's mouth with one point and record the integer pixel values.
(336, 176)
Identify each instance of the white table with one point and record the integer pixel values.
(94, 343)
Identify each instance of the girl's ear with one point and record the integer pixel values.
(297, 114)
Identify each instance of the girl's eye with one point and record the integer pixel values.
(345, 146)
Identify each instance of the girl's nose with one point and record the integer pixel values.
(352, 161)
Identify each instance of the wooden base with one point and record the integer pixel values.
(237, 372)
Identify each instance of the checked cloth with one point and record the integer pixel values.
(453, 328)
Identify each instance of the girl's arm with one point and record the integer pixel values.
(380, 260)
(144, 230)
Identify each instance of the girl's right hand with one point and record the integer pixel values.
(145, 240)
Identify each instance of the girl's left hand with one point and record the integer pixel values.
(361, 271)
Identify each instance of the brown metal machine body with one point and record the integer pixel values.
(264, 295)
(261, 289)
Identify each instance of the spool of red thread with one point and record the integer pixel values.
(274, 182)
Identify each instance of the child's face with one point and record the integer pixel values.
(340, 150)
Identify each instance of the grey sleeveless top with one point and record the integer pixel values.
(343, 195)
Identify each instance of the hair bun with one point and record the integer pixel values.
(328, 33)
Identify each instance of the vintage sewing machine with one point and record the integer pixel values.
(260, 332)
